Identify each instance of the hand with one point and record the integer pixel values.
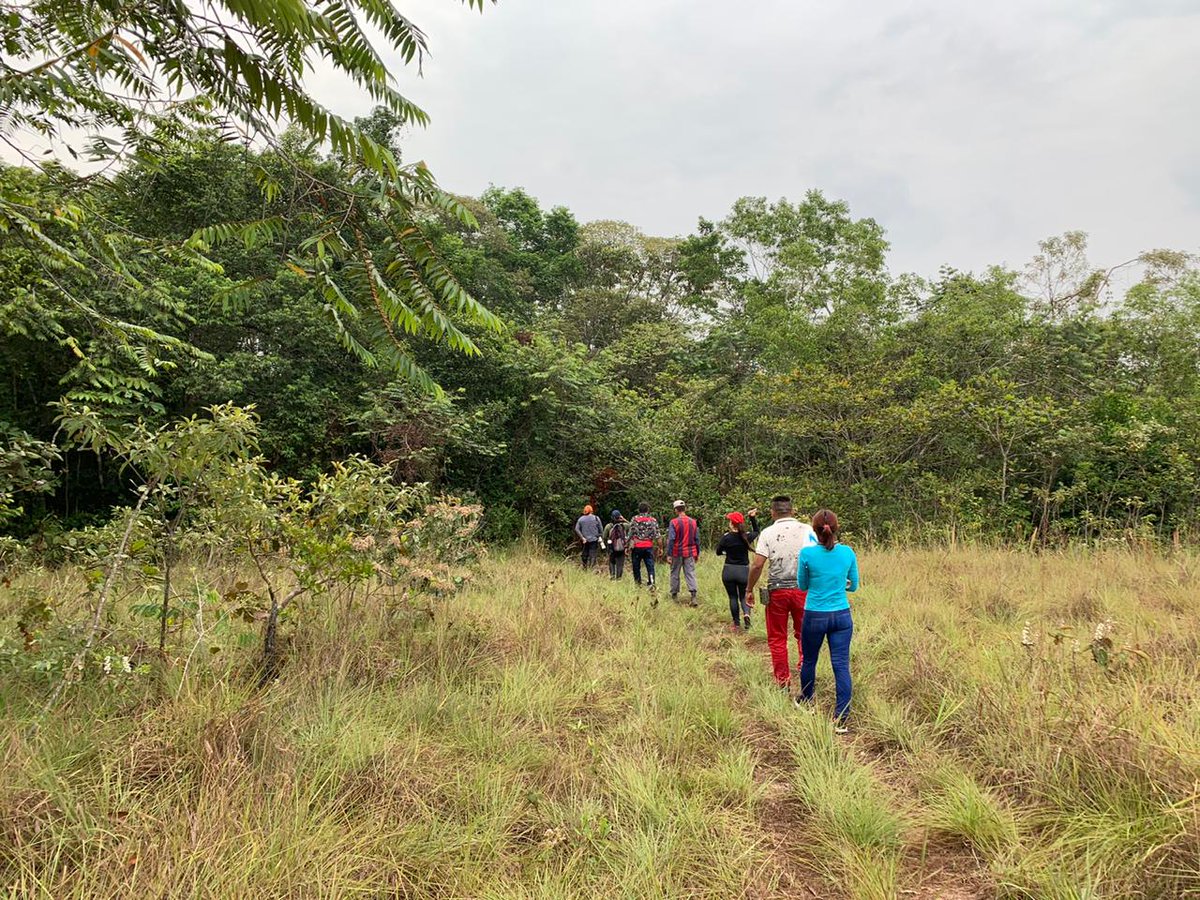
(752, 512)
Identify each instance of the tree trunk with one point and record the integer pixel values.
(270, 660)
(168, 553)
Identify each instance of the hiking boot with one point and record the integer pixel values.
(745, 623)
(693, 601)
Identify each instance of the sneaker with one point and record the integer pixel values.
(800, 703)
(693, 601)
(745, 623)
(840, 726)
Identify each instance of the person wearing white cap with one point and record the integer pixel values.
(683, 548)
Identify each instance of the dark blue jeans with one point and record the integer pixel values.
(643, 555)
(837, 628)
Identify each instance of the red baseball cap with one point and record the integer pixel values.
(736, 518)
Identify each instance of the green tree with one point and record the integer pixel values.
(134, 79)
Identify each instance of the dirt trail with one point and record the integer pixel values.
(934, 869)
(938, 868)
(781, 817)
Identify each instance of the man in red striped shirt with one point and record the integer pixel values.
(683, 547)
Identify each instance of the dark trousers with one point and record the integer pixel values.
(837, 628)
(591, 550)
(734, 578)
(616, 563)
(643, 555)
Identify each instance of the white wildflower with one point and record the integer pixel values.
(125, 666)
(108, 665)
(1026, 636)
(1103, 630)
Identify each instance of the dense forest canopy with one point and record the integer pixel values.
(771, 350)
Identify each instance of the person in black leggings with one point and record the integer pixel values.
(735, 546)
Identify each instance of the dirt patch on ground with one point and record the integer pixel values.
(934, 869)
(784, 824)
(945, 872)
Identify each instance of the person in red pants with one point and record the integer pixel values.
(778, 551)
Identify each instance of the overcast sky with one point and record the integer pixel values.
(970, 130)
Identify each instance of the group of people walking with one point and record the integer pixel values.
(808, 574)
(642, 536)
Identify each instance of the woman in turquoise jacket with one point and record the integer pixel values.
(827, 571)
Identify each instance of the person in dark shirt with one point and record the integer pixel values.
(616, 535)
(643, 535)
(736, 546)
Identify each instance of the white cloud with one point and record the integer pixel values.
(969, 130)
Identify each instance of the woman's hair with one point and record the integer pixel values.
(740, 528)
(643, 507)
(825, 524)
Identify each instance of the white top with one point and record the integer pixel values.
(780, 544)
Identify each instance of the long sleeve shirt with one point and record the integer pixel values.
(643, 531)
(589, 528)
(735, 550)
(827, 575)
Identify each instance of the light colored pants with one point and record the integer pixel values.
(688, 565)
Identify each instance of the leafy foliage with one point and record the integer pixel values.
(769, 352)
(133, 81)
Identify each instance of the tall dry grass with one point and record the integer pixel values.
(546, 734)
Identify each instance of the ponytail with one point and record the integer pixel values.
(825, 524)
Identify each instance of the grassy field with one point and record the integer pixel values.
(1025, 726)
